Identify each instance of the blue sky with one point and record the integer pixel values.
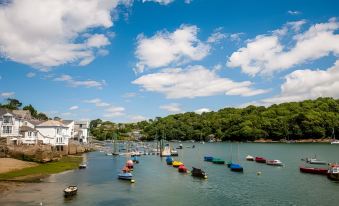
(126, 60)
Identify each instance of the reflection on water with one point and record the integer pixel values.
(159, 184)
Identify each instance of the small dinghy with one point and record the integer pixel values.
(179, 147)
(182, 169)
(125, 174)
(129, 164)
(274, 163)
(236, 168)
(174, 153)
(169, 160)
(208, 158)
(82, 166)
(260, 159)
(218, 161)
(70, 191)
(249, 158)
(177, 163)
(198, 173)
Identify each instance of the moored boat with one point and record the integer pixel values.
(70, 190)
(313, 170)
(169, 160)
(315, 161)
(208, 158)
(198, 173)
(249, 158)
(129, 164)
(179, 147)
(218, 161)
(236, 168)
(333, 172)
(82, 166)
(229, 163)
(125, 176)
(135, 159)
(176, 163)
(274, 162)
(260, 159)
(182, 169)
(174, 153)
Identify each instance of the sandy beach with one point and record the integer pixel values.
(10, 164)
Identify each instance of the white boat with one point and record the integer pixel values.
(249, 158)
(315, 161)
(125, 176)
(109, 154)
(166, 151)
(82, 166)
(174, 153)
(70, 190)
(274, 162)
(335, 142)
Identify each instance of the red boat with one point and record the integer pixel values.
(260, 159)
(182, 169)
(321, 171)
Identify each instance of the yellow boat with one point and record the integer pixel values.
(177, 163)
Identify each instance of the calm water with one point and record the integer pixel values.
(159, 184)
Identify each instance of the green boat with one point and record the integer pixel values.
(218, 161)
(229, 163)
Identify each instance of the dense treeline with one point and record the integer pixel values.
(293, 121)
(14, 104)
(106, 130)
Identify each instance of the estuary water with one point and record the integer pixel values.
(159, 184)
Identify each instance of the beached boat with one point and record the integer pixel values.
(208, 158)
(312, 170)
(198, 173)
(236, 168)
(169, 160)
(260, 159)
(82, 166)
(334, 141)
(218, 161)
(174, 153)
(177, 163)
(249, 158)
(315, 161)
(182, 169)
(274, 162)
(333, 172)
(70, 190)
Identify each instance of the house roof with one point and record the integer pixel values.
(4, 111)
(67, 122)
(27, 129)
(23, 114)
(35, 121)
(51, 123)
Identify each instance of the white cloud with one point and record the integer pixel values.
(136, 118)
(216, 36)
(163, 2)
(98, 102)
(172, 108)
(202, 110)
(294, 12)
(114, 112)
(77, 83)
(7, 94)
(165, 48)
(46, 34)
(236, 36)
(30, 74)
(194, 81)
(130, 95)
(266, 54)
(75, 107)
(307, 84)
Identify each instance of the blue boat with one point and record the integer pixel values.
(236, 168)
(135, 159)
(169, 160)
(208, 158)
(125, 176)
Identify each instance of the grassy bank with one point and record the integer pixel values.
(42, 170)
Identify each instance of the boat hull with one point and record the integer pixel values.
(70, 191)
(126, 176)
(208, 159)
(320, 171)
(260, 160)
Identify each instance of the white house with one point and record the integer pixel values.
(81, 131)
(54, 133)
(9, 126)
(29, 135)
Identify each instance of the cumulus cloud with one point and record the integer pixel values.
(75, 107)
(30, 75)
(45, 34)
(165, 48)
(114, 111)
(97, 102)
(202, 110)
(216, 36)
(163, 2)
(171, 108)
(7, 94)
(80, 83)
(308, 84)
(194, 81)
(266, 54)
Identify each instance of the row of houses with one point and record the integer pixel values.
(18, 127)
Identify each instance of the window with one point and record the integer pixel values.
(58, 131)
(29, 134)
(7, 129)
(7, 119)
